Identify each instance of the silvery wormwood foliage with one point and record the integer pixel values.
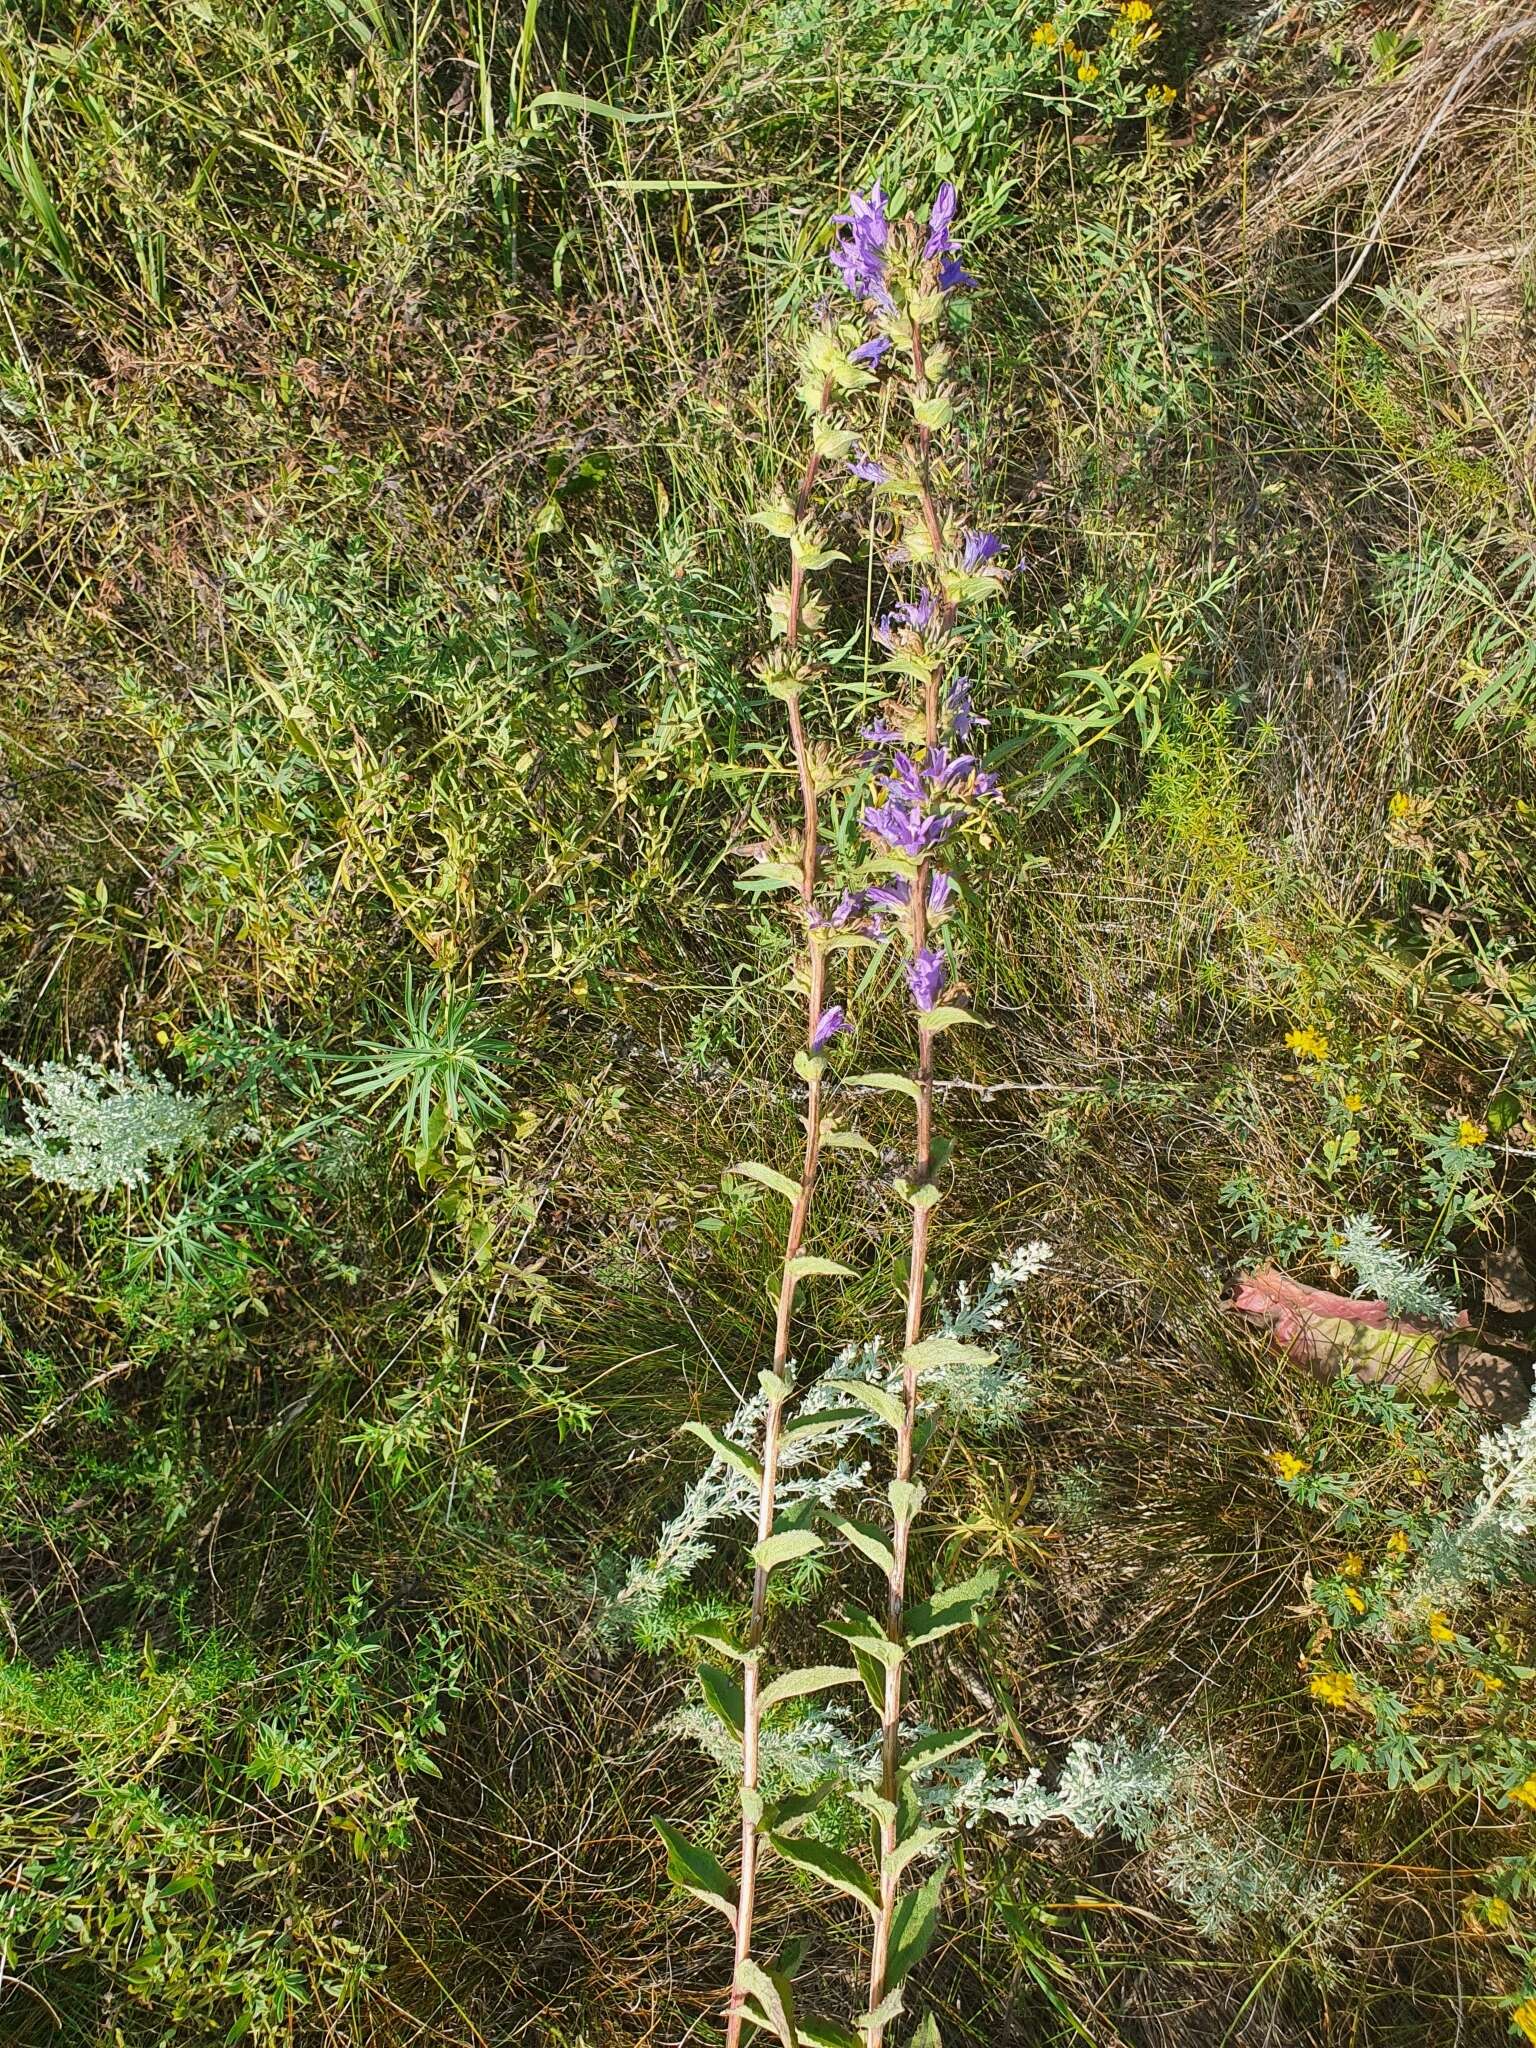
(1490, 1545)
(984, 1399)
(1389, 1275)
(93, 1129)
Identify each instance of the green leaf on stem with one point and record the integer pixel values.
(915, 1844)
(913, 1926)
(774, 1999)
(832, 1866)
(884, 1406)
(934, 1352)
(695, 1871)
(906, 1497)
(731, 1454)
(933, 1748)
(766, 1176)
(784, 1546)
(866, 1539)
(846, 1141)
(806, 1267)
(888, 1084)
(810, 1066)
(941, 1019)
(795, 1685)
(950, 1608)
(723, 1697)
(865, 1634)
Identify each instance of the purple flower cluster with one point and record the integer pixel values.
(920, 806)
(964, 718)
(913, 616)
(858, 254)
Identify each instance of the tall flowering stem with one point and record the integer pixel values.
(928, 790)
(828, 374)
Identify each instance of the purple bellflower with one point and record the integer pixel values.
(828, 1026)
(941, 243)
(964, 717)
(868, 471)
(980, 548)
(927, 973)
(869, 352)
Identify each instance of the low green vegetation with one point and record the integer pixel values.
(387, 390)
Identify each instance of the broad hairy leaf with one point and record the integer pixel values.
(723, 1697)
(768, 1177)
(731, 1454)
(796, 1685)
(866, 1539)
(885, 1407)
(695, 1871)
(944, 1018)
(807, 1267)
(784, 1546)
(934, 1352)
(913, 1925)
(832, 1866)
(888, 1084)
(950, 1608)
(773, 1997)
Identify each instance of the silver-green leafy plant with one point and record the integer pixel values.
(1390, 1275)
(94, 1129)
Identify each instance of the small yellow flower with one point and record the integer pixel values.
(1353, 1565)
(162, 1038)
(1397, 1544)
(1161, 95)
(1401, 805)
(1440, 1630)
(1287, 1465)
(1087, 72)
(1307, 1044)
(1525, 1795)
(1356, 1600)
(1354, 1101)
(1471, 1134)
(1418, 1476)
(1333, 1688)
(1524, 2017)
(1137, 10)
(1044, 36)
(1490, 1681)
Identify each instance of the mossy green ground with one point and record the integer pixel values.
(383, 390)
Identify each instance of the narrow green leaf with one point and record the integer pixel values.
(905, 1497)
(934, 1352)
(784, 1546)
(765, 1176)
(864, 1633)
(888, 1084)
(916, 1844)
(794, 1685)
(891, 2007)
(866, 1539)
(723, 1697)
(720, 1638)
(847, 1141)
(927, 2035)
(885, 1407)
(827, 2034)
(574, 103)
(774, 1998)
(939, 1744)
(806, 1267)
(913, 1926)
(695, 1871)
(731, 1454)
(832, 1866)
(943, 1018)
(792, 1806)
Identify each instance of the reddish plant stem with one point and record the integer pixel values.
(751, 1737)
(917, 1278)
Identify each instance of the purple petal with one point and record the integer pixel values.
(927, 973)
